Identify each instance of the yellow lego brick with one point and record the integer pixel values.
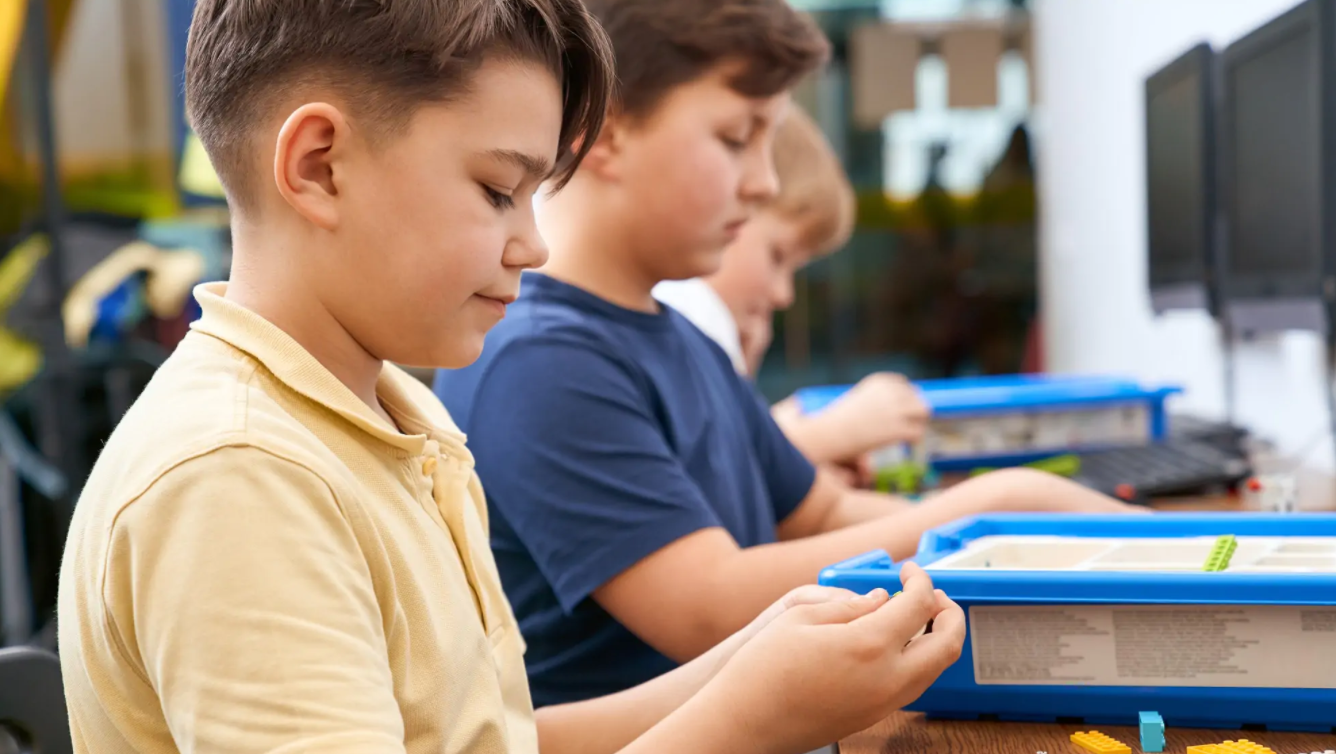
(1097, 742)
(1242, 746)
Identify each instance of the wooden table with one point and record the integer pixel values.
(910, 733)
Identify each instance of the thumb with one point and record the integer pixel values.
(840, 611)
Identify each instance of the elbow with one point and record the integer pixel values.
(691, 635)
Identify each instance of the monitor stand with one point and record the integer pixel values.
(1181, 296)
(1250, 317)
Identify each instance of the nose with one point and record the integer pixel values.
(760, 181)
(526, 250)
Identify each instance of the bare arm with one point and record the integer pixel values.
(693, 593)
(832, 504)
(881, 410)
(610, 723)
(818, 673)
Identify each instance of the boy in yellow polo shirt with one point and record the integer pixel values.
(283, 547)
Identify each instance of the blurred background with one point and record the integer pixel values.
(998, 148)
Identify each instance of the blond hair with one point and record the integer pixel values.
(814, 191)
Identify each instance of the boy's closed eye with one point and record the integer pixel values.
(510, 172)
(498, 199)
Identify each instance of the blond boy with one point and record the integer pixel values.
(811, 217)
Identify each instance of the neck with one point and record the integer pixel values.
(270, 280)
(590, 249)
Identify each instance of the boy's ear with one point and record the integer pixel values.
(307, 171)
(603, 159)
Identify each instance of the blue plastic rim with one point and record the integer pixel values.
(875, 569)
(974, 395)
(1009, 394)
(956, 695)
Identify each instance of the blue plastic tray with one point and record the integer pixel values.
(957, 695)
(1009, 394)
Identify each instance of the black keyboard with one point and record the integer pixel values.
(1173, 467)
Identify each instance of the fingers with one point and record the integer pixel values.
(838, 611)
(932, 653)
(907, 613)
(812, 594)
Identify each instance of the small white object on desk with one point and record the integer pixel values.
(1275, 493)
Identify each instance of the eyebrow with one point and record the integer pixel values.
(535, 167)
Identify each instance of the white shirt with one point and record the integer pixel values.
(700, 304)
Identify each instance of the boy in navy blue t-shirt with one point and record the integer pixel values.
(644, 505)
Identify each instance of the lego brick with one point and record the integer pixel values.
(1152, 732)
(1098, 743)
(1241, 746)
(1223, 550)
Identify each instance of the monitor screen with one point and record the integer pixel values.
(1274, 206)
(1178, 210)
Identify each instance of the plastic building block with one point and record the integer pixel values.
(1223, 550)
(1152, 732)
(1241, 746)
(1097, 742)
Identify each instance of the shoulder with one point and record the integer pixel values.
(697, 302)
(209, 410)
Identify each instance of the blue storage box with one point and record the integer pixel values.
(1015, 419)
(1097, 618)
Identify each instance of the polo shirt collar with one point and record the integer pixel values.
(295, 367)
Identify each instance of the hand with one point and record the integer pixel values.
(820, 672)
(809, 594)
(882, 409)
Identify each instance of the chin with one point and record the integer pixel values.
(458, 356)
(702, 263)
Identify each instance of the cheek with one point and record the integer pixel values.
(428, 242)
(694, 178)
(745, 278)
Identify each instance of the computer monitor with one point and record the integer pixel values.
(1278, 185)
(1181, 211)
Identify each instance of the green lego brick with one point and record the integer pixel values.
(1221, 552)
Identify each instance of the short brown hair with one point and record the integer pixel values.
(385, 58)
(814, 191)
(662, 44)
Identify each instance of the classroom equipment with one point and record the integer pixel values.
(1241, 746)
(1015, 419)
(1181, 209)
(1095, 618)
(1173, 467)
(1097, 742)
(1278, 172)
(32, 700)
(1152, 732)
(1273, 492)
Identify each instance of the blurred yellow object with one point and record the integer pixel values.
(20, 359)
(172, 274)
(12, 15)
(197, 173)
(18, 267)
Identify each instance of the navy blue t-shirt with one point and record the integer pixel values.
(602, 435)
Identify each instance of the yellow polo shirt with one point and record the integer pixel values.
(260, 564)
